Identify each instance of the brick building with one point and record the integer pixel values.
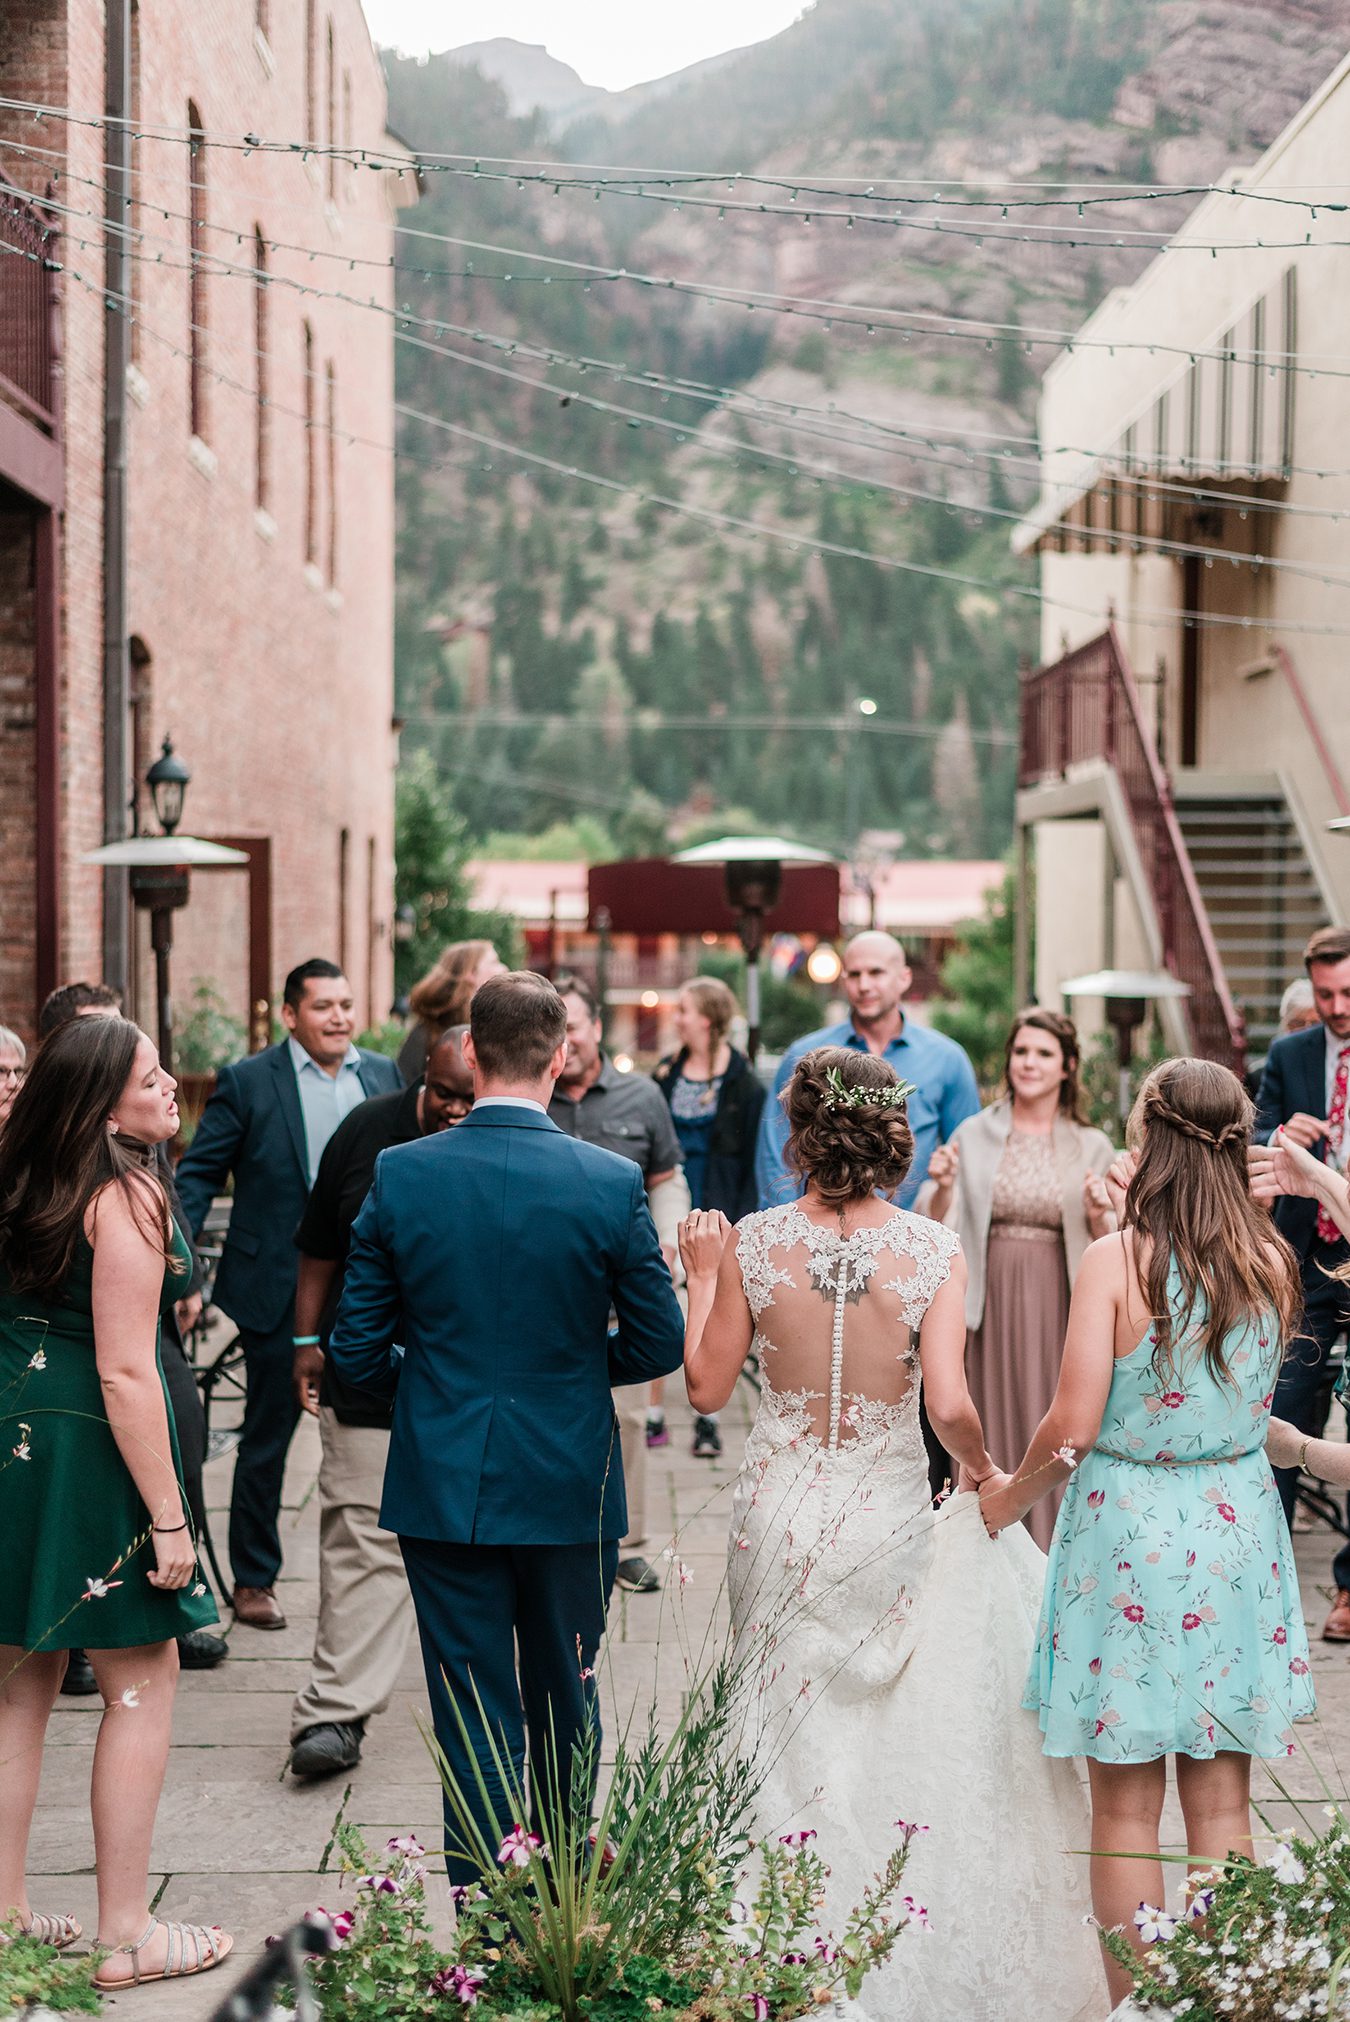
(259, 517)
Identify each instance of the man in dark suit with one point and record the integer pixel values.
(1304, 1092)
(494, 1253)
(267, 1123)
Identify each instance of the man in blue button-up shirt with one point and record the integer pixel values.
(876, 977)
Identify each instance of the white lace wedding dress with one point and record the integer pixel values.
(887, 1648)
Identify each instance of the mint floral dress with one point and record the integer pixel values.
(1172, 1622)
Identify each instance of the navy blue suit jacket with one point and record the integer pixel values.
(253, 1127)
(494, 1253)
(1294, 1078)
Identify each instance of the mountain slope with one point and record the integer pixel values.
(565, 647)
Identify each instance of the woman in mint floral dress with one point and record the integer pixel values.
(1171, 1623)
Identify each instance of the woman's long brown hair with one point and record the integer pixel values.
(442, 997)
(1190, 1200)
(56, 1151)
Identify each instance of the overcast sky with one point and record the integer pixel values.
(610, 42)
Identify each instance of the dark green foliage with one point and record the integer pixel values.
(977, 981)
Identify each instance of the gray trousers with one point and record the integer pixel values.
(365, 1609)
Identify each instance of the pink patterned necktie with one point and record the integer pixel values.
(1327, 1230)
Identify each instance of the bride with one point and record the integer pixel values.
(887, 1647)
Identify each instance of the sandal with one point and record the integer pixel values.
(210, 1947)
(58, 1931)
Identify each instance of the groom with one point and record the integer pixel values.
(495, 1253)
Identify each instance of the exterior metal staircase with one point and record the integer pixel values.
(1259, 889)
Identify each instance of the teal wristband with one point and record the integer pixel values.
(306, 1340)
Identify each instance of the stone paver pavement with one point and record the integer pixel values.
(240, 1843)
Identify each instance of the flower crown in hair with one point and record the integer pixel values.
(841, 1096)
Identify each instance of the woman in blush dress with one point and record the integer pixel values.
(1021, 1183)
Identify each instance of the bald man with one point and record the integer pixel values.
(876, 978)
(365, 1609)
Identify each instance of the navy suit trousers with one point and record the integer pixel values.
(477, 1605)
(270, 1418)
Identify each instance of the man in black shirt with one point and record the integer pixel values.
(365, 1613)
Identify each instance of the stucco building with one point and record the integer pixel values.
(257, 413)
(1180, 770)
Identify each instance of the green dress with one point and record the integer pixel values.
(75, 1544)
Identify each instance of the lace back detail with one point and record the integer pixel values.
(836, 1318)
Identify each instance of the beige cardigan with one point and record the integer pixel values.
(980, 1141)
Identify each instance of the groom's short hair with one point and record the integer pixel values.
(517, 1023)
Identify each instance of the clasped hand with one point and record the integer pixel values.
(703, 1237)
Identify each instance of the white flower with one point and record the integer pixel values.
(1286, 1866)
(198, 1590)
(1155, 1927)
(98, 1590)
(23, 1451)
(516, 1848)
(1067, 1454)
(131, 1698)
(38, 1360)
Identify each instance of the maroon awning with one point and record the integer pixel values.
(652, 895)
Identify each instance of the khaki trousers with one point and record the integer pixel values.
(630, 1404)
(365, 1609)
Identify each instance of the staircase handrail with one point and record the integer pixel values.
(1086, 706)
(1303, 703)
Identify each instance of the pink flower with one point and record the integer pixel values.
(516, 1848)
(918, 1913)
(1281, 1635)
(1190, 1558)
(1227, 1512)
(1095, 1667)
(1299, 1666)
(1174, 1399)
(797, 1839)
(1096, 1498)
(825, 1951)
(406, 1845)
(379, 1885)
(1134, 1613)
(759, 2008)
(909, 1831)
(1190, 1621)
(341, 1924)
(461, 1981)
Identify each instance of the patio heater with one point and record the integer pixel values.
(1127, 994)
(752, 871)
(160, 867)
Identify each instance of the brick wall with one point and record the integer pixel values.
(17, 852)
(273, 674)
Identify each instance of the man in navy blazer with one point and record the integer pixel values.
(267, 1123)
(1304, 1091)
(494, 1255)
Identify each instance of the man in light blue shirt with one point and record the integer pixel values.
(327, 1094)
(876, 977)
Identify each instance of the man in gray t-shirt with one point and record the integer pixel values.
(628, 1114)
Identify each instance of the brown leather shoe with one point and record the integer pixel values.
(260, 1609)
(1337, 1626)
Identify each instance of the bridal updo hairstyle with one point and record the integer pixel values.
(846, 1150)
(1189, 1198)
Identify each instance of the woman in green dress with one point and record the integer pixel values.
(98, 1547)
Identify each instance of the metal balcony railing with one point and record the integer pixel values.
(1085, 707)
(26, 330)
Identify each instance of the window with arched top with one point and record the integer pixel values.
(330, 420)
(197, 305)
(311, 450)
(332, 136)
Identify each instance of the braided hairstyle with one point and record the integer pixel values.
(1189, 1201)
(848, 1136)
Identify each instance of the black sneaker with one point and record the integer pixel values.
(707, 1439)
(79, 1681)
(324, 1750)
(201, 1651)
(635, 1576)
